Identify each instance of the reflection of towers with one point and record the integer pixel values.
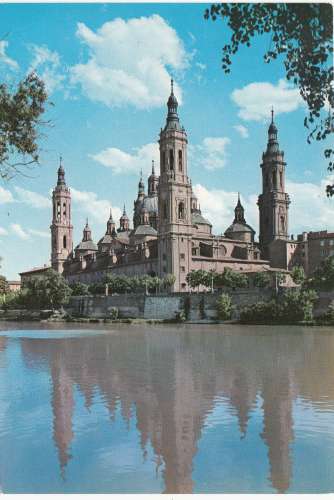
(62, 405)
(171, 379)
(277, 427)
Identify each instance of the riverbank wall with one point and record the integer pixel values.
(193, 307)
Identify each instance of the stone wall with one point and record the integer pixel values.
(200, 306)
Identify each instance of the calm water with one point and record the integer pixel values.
(203, 409)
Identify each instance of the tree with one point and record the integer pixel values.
(79, 288)
(20, 120)
(300, 33)
(323, 276)
(298, 275)
(4, 287)
(49, 290)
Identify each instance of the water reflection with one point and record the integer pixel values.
(169, 380)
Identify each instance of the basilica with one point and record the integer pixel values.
(169, 234)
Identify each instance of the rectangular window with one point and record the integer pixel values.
(182, 256)
(183, 269)
(164, 269)
(322, 243)
(331, 242)
(171, 159)
(180, 160)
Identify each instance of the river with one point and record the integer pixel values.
(167, 408)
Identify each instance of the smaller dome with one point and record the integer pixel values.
(86, 245)
(145, 230)
(238, 227)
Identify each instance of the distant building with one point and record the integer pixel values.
(33, 273)
(14, 286)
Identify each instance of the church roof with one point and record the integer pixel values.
(197, 218)
(238, 227)
(86, 245)
(145, 230)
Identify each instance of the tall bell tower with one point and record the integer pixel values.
(274, 201)
(61, 227)
(174, 193)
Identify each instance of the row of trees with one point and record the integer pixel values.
(228, 279)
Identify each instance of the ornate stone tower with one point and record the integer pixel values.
(174, 193)
(274, 201)
(153, 182)
(138, 202)
(123, 222)
(61, 227)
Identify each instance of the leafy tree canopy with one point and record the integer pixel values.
(20, 119)
(4, 287)
(302, 33)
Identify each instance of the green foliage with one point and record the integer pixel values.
(4, 287)
(261, 279)
(20, 119)
(131, 284)
(114, 313)
(323, 277)
(228, 278)
(224, 307)
(298, 275)
(301, 37)
(293, 307)
(79, 289)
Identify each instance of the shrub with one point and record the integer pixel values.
(114, 313)
(261, 279)
(294, 306)
(224, 307)
(79, 289)
(298, 275)
(323, 277)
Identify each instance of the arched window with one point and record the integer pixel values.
(64, 242)
(281, 180)
(282, 223)
(181, 210)
(171, 159)
(274, 180)
(64, 209)
(180, 160)
(58, 209)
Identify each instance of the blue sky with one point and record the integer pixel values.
(107, 68)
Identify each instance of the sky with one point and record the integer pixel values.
(107, 68)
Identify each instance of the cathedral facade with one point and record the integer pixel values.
(169, 234)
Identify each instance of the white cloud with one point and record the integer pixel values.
(3, 231)
(218, 206)
(91, 206)
(4, 59)
(5, 196)
(47, 65)
(310, 209)
(122, 163)
(32, 199)
(40, 234)
(211, 153)
(242, 130)
(256, 99)
(18, 231)
(200, 66)
(129, 62)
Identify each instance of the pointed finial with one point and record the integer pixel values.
(141, 174)
(172, 86)
(272, 114)
(152, 167)
(124, 212)
(86, 221)
(60, 160)
(238, 197)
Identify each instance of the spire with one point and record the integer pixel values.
(172, 104)
(87, 233)
(272, 146)
(153, 169)
(61, 173)
(141, 186)
(239, 213)
(123, 221)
